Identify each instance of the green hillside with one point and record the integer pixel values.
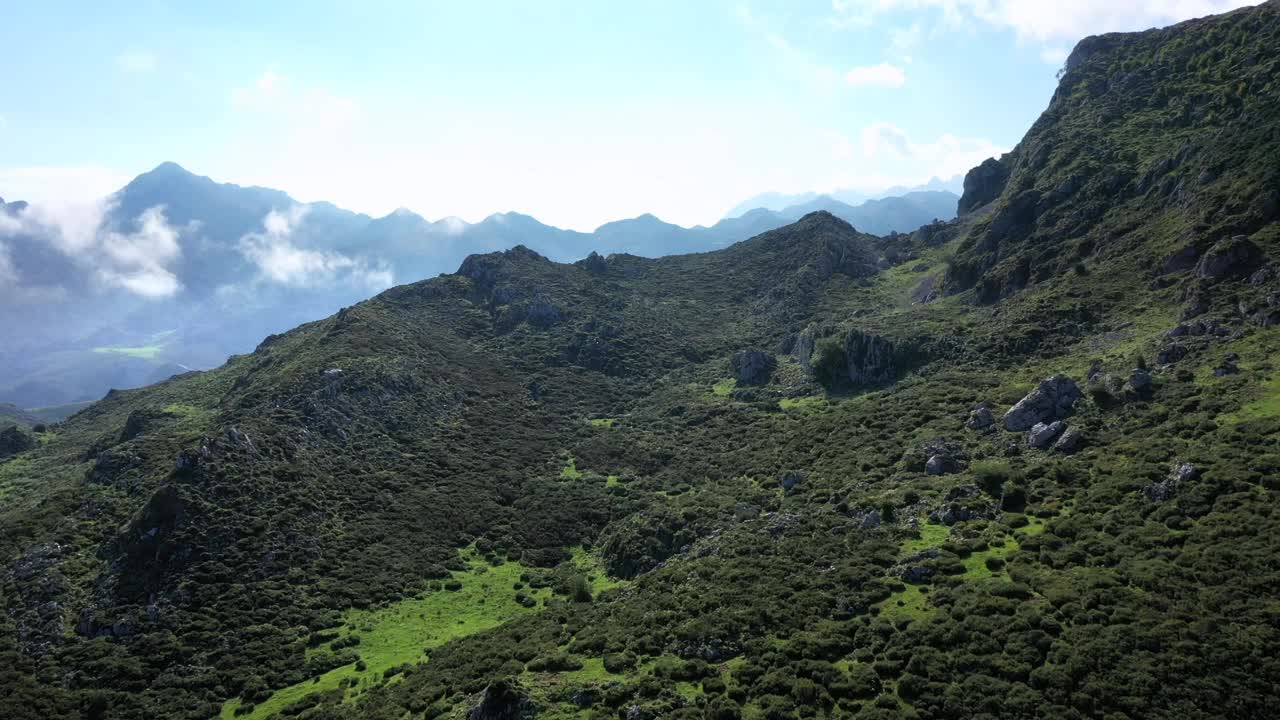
(817, 474)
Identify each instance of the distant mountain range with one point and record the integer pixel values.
(180, 271)
(782, 201)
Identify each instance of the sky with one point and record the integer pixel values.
(574, 112)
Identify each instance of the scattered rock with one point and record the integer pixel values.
(1171, 354)
(594, 264)
(1232, 257)
(939, 465)
(981, 418)
(1041, 434)
(1052, 399)
(1167, 488)
(1070, 441)
(1139, 382)
(14, 440)
(503, 700)
(1183, 259)
(1229, 366)
(752, 367)
(791, 480)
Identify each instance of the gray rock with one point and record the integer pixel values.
(752, 367)
(791, 480)
(1042, 434)
(1232, 257)
(1229, 366)
(981, 418)
(938, 465)
(1139, 381)
(1070, 441)
(1167, 488)
(869, 358)
(1052, 399)
(1171, 354)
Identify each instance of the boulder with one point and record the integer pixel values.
(1171, 354)
(981, 418)
(1233, 257)
(1139, 382)
(790, 481)
(1070, 441)
(1042, 434)
(502, 700)
(14, 440)
(938, 465)
(1168, 487)
(1052, 399)
(1229, 366)
(752, 367)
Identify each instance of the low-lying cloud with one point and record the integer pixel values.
(140, 262)
(283, 260)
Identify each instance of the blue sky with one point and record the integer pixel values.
(575, 112)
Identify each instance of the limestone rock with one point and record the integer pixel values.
(1052, 399)
(791, 480)
(981, 418)
(1233, 257)
(752, 367)
(1042, 434)
(1165, 489)
(869, 358)
(982, 185)
(1070, 441)
(938, 465)
(502, 700)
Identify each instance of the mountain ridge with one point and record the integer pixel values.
(794, 477)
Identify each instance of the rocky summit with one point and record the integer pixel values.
(775, 480)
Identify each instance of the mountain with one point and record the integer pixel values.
(781, 201)
(245, 262)
(817, 473)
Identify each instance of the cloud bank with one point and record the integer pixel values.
(281, 260)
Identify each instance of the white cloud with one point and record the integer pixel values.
(138, 261)
(904, 40)
(1054, 55)
(136, 61)
(283, 261)
(1045, 21)
(945, 157)
(883, 75)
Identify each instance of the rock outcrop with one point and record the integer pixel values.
(752, 367)
(982, 185)
(1052, 399)
(1233, 257)
(1042, 434)
(14, 440)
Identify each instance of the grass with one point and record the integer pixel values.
(144, 352)
(589, 565)
(724, 388)
(405, 631)
(975, 566)
(931, 535)
(908, 603)
(810, 402)
(603, 422)
(570, 470)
